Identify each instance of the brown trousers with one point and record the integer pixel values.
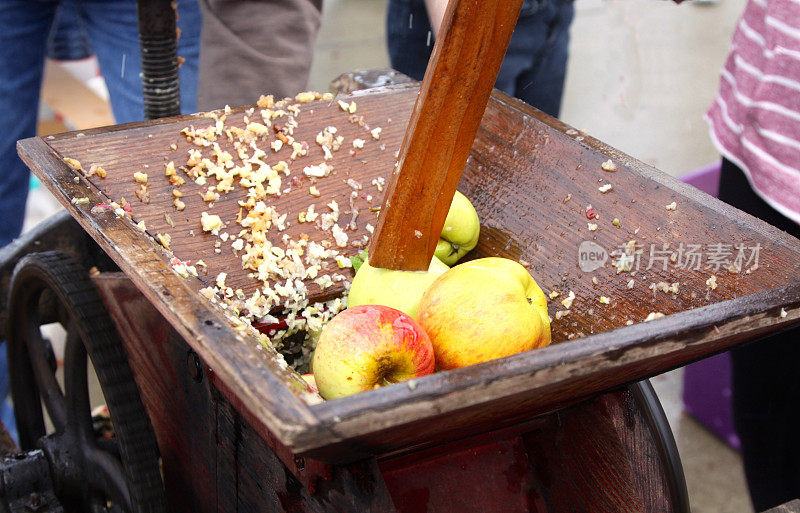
(254, 47)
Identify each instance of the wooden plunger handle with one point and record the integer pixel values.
(462, 70)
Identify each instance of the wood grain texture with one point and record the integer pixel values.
(530, 178)
(600, 456)
(251, 478)
(461, 74)
(143, 148)
(522, 168)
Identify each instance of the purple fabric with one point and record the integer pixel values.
(707, 396)
(707, 383)
(706, 178)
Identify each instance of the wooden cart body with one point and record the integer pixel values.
(231, 417)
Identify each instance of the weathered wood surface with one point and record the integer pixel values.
(531, 179)
(789, 507)
(252, 478)
(237, 358)
(146, 148)
(604, 453)
(461, 73)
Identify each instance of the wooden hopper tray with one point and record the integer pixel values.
(531, 179)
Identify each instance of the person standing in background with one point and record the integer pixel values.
(755, 124)
(535, 64)
(251, 47)
(110, 30)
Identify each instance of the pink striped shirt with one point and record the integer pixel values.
(755, 119)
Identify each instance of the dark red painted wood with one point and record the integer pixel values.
(490, 478)
(181, 408)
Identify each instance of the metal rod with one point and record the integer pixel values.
(158, 43)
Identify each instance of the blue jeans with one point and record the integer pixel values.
(68, 40)
(6, 411)
(110, 27)
(535, 64)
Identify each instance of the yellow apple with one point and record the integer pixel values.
(398, 289)
(460, 232)
(370, 346)
(484, 309)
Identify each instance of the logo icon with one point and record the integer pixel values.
(591, 256)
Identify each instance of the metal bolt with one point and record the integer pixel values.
(195, 366)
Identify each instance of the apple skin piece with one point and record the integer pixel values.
(482, 310)
(367, 347)
(312, 384)
(460, 232)
(398, 289)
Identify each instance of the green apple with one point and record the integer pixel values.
(481, 310)
(398, 289)
(460, 232)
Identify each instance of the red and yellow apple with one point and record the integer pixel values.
(367, 347)
(398, 289)
(481, 310)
